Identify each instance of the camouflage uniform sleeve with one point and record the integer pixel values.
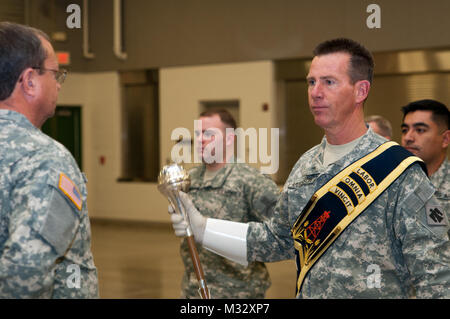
(270, 241)
(423, 237)
(262, 195)
(42, 226)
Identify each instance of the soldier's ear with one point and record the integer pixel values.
(361, 90)
(28, 81)
(229, 137)
(445, 139)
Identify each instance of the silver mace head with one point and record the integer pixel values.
(172, 179)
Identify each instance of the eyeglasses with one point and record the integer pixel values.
(60, 75)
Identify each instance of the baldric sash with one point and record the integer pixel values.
(342, 199)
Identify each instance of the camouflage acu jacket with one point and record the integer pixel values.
(44, 225)
(392, 250)
(238, 193)
(441, 181)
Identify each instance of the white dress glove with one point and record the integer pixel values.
(196, 220)
(223, 237)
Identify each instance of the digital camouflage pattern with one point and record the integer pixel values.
(44, 238)
(441, 181)
(238, 193)
(389, 251)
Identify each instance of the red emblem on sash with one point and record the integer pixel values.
(313, 230)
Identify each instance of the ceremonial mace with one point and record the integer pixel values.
(172, 179)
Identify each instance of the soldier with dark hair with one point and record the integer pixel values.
(426, 134)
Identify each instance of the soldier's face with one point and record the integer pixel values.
(48, 86)
(423, 137)
(331, 94)
(211, 139)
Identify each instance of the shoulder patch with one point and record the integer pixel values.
(436, 215)
(69, 188)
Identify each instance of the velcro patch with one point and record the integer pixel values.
(70, 190)
(436, 216)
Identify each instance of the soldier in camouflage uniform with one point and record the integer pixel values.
(44, 224)
(426, 134)
(441, 181)
(393, 249)
(231, 191)
(380, 125)
(392, 237)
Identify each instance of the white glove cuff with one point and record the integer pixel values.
(227, 239)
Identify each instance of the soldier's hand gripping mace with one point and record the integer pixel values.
(172, 179)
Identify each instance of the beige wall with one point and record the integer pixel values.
(99, 96)
(181, 89)
(176, 33)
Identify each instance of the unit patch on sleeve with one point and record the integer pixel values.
(436, 216)
(70, 190)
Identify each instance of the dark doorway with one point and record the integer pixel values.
(65, 127)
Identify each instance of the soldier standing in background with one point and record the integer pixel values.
(231, 191)
(426, 134)
(380, 125)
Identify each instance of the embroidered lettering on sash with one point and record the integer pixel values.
(342, 199)
(350, 182)
(366, 178)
